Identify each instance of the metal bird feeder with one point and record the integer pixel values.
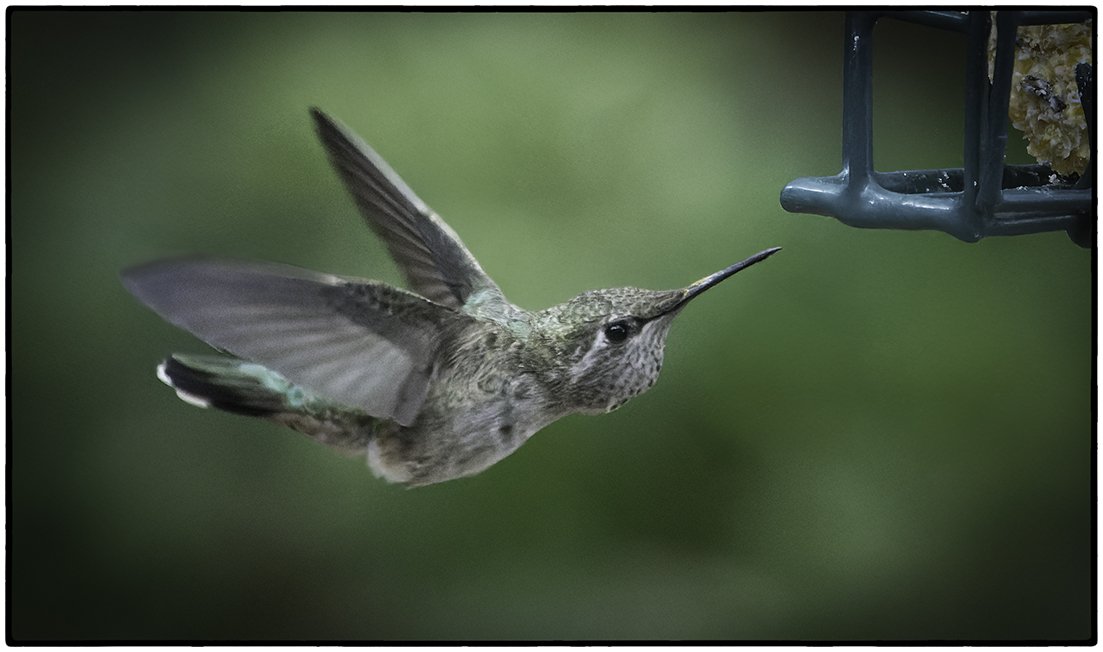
(985, 197)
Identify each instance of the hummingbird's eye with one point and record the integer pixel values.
(618, 331)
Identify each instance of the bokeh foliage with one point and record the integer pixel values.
(874, 435)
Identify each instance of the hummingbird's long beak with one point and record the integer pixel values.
(700, 286)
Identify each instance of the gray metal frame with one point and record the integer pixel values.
(984, 198)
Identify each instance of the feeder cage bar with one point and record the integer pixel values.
(985, 197)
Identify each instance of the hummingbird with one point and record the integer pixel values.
(433, 383)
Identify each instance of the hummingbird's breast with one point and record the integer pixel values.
(484, 401)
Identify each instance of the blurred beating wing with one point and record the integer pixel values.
(367, 345)
(436, 264)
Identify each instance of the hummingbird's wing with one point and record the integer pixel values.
(434, 260)
(367, 345)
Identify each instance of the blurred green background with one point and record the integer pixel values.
(875, 435)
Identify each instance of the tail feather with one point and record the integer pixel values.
(246, 388)
(228, 384)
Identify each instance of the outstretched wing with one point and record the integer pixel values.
(435, 262)
(363, 344)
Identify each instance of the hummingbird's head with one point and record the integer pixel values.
(610, 342)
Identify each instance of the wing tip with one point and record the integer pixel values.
(320, 117)
(139, 279)
(329, 129)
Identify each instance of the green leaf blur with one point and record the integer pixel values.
(873, 435)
